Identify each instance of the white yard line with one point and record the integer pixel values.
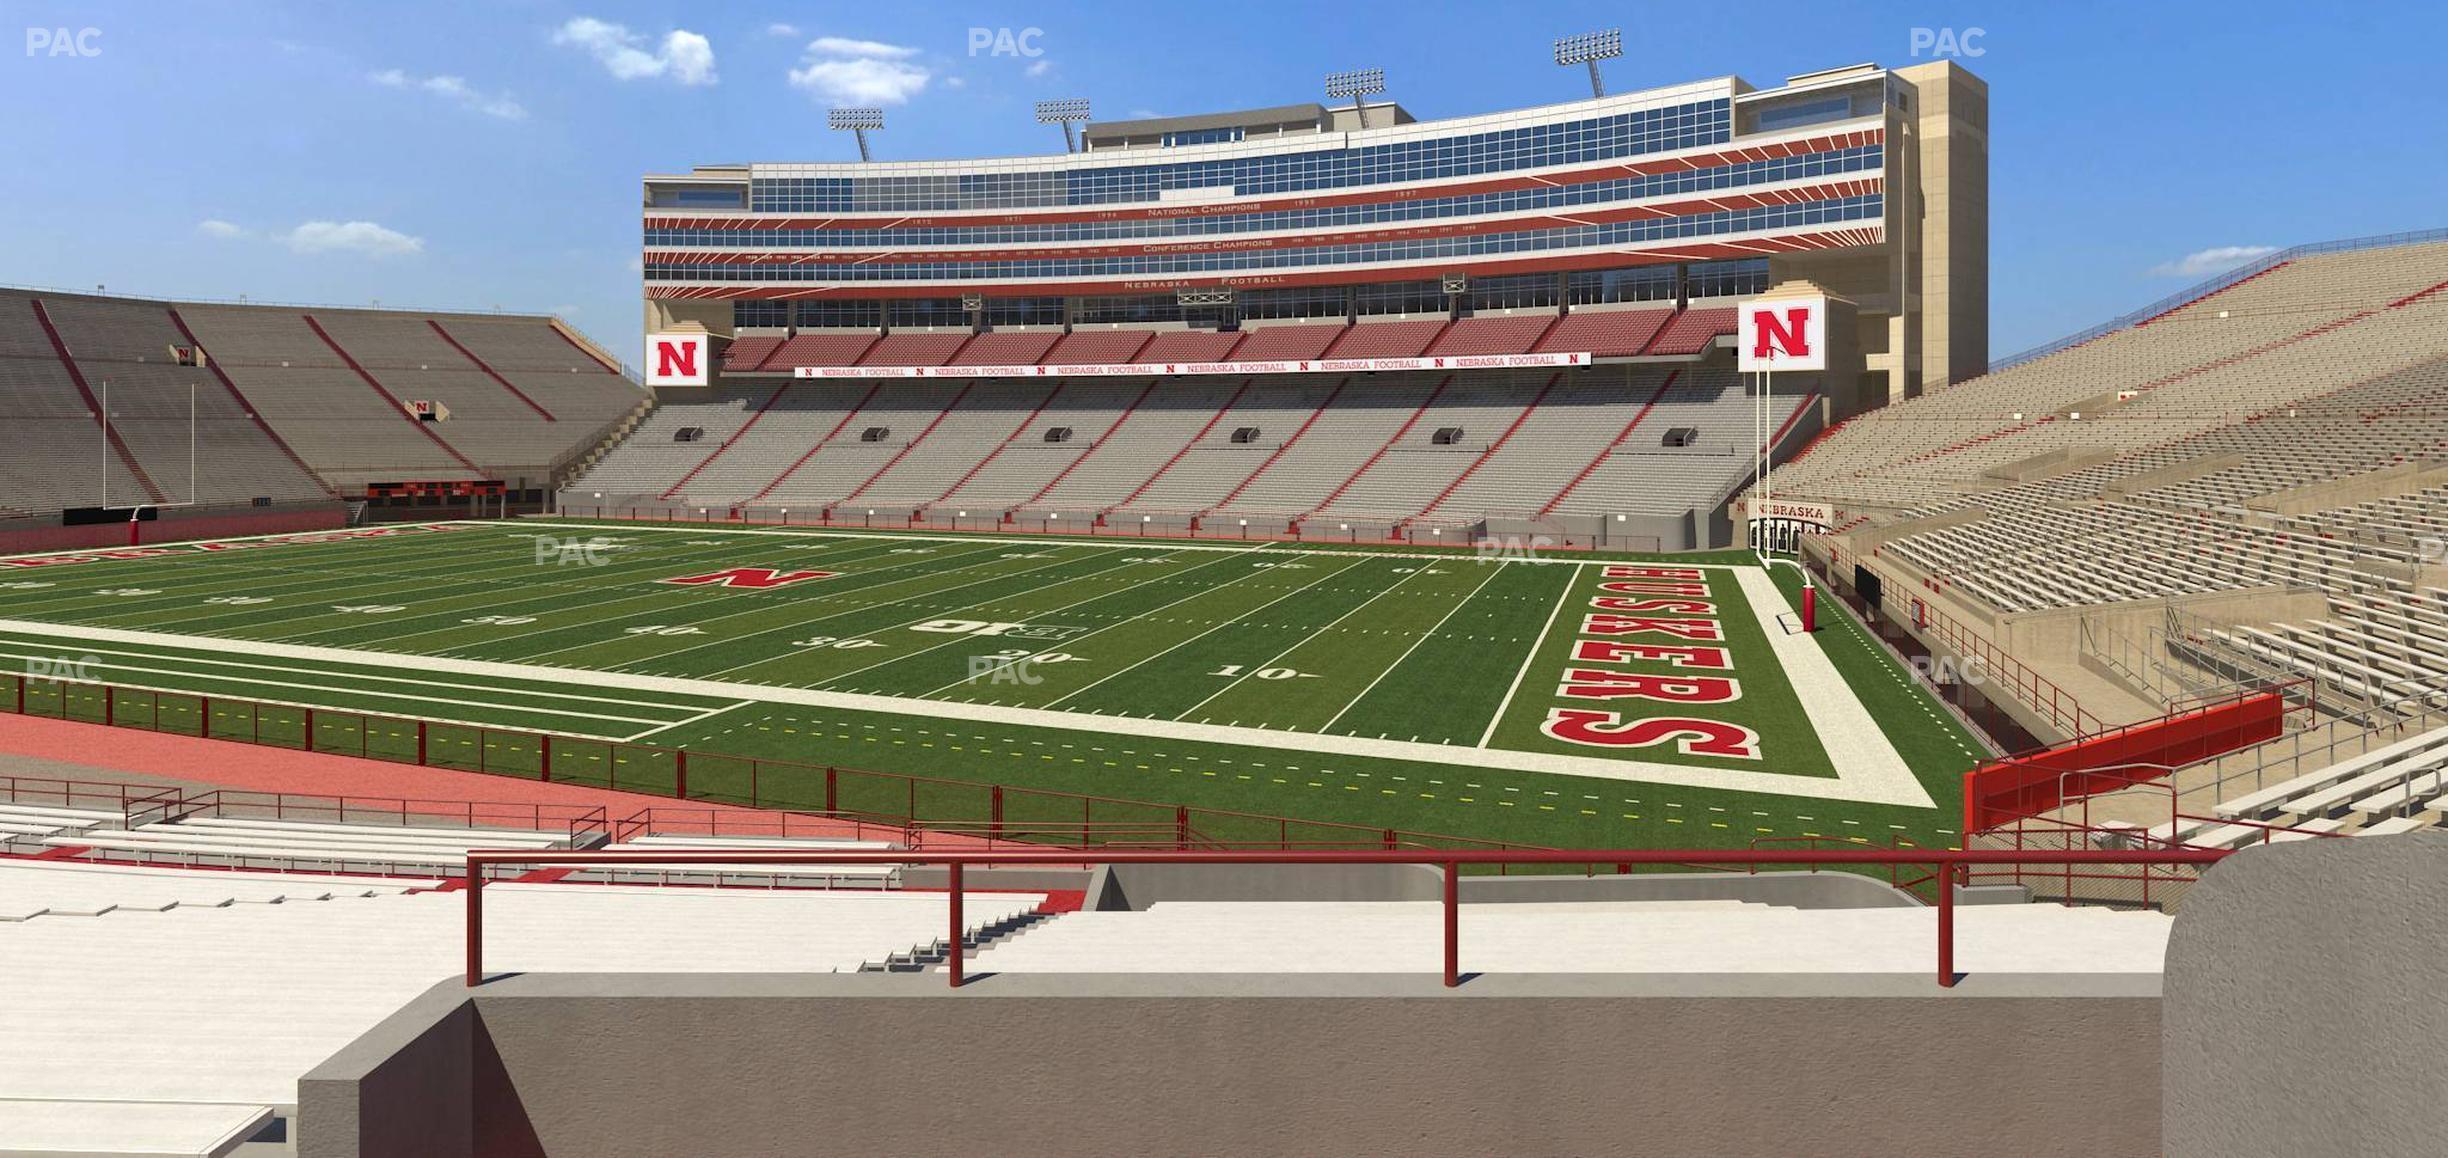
(1533, 655)
(8, 646)
(1204, 634)
(1860, 752)
(255, 681)
(1493, 572)
(708, 714)
(1879, 790)
(1077, 640)
(1277, 658)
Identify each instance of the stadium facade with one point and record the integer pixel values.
(1870, 183)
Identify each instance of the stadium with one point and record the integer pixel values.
(1300, 629)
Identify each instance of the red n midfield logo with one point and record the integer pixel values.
(754, 578)
(675, 359)
(1791, 337)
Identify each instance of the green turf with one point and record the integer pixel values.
(1367, 643)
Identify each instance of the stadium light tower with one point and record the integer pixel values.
(1063, 112)
(1589, 48)
(857, 121)
(1357, 84)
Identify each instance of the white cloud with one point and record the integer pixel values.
(455, 90)
(218, 228)
(779, 29)
(1144, 114)
(684, 57)
(956, 82)
(2217, 259)
(859, 72)
(846, 46)
(359, 238)
(1039, 67)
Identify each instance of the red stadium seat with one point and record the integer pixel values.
(1693, 330)
(1604, 333)
(750, 352)
(1025, 348)
(1504, 334)
(1098, 347)
(1287, 343)
(915, 349)
(833, 349)
(1189, 346)
(1388, 339)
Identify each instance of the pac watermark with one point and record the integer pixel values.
(1941, 671)
(1019, 671)
(1516, 548)
(2431, 550)
(79, 669)
(555, 551)
(1013, 42)
(85, 43)
(1946, 43)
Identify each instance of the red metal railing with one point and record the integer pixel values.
(1949, 864)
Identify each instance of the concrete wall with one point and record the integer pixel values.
(2304, 1008)
(713, 1066)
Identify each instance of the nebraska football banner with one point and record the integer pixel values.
(1781, 334)
(1167, 369)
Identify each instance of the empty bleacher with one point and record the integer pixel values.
(1275, 450)
(275, 409)
(2276, 440)
(122, 1005)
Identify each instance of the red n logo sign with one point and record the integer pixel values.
(675, 359)
(754, 578)
(1790, 338)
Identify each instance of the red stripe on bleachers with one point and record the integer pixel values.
(1620, 435)
(504, 383)
(1493, 447)
(736, 435)
(1314, 415)
(997, 452)
(253, 415)
(810, 452)
(1408, 423)
(110, 433)
(2191, 302)
(398, 407)
(1212, 419)
(1099, 444)
(945, 413)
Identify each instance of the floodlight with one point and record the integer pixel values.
(857, 121)
(1063, 112)
(1356, 83)
(1589, 48)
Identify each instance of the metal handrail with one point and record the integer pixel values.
(1948, 862)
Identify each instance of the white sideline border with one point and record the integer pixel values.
(1882, 778)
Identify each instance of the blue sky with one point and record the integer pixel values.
(474, 155)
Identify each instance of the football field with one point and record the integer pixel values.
(1567, 700)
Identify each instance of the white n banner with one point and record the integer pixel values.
(1782, 334)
